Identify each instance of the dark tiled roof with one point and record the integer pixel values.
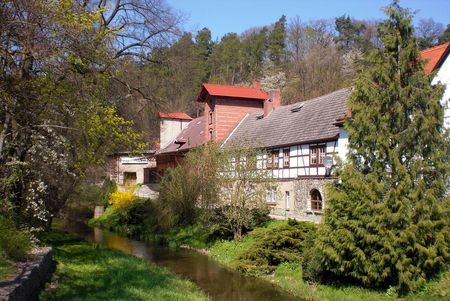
(314, 121)
(192, 135)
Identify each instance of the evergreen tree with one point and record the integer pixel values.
(387, 222)
(351, 34)
(277, 41)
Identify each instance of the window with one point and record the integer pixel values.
(287, 199)
(316, 200)
(271, 195)
(210, 134)
(317, 155)
(129, 178)
(272, 159)
(286, 157)
(210, 117)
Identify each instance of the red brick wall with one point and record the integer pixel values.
(227, 113)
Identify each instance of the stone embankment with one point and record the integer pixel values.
(30, 276)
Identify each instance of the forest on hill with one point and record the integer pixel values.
(303, 59)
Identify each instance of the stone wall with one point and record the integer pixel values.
(299, 199)
(31, 276)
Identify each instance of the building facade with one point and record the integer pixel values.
(128, 169)
(295, 140)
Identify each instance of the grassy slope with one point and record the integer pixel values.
(85, 272)
(7, 269)
(289, 276)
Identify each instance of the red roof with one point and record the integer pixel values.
(434, 56)
(231, 91)
(175, 115)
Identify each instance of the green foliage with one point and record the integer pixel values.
(262, 250)
(14, 244)
(276, 42)
(7, 268)
(82, 201)
(351, 34)
(83, 269)
(108, 187)
(138, 219)
(273, 246)
(387, 223)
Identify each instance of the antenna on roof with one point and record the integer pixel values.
(297, 108)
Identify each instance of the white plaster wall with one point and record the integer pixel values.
(443, 76)
(137, 168)
(342, 144)
(169, 130)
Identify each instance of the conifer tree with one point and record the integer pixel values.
(387, 222)
(277, 41)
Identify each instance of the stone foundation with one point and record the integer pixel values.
(300, 199)
(30, 277)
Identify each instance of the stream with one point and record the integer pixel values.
(218, 282)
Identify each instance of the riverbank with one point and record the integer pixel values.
(247, 256)
(89, 272)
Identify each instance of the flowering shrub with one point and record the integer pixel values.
(122, 199)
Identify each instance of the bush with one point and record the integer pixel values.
(137, 219)
(275, 245)
(14, 244)
(122, 199)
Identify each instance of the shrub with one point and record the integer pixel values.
(122, 199)
(137, 219)
(14, 244)
(284, 242)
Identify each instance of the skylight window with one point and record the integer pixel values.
(297, 107)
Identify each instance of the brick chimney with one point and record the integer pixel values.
(273, 102)
(268, 107)
(256, 85)
(275, 95)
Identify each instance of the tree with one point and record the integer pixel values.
(428, 33)
(277, 41)
(243, 185)
(226, 60)
(387, 222)
(55, 121)
(445, 37)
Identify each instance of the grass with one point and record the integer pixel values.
(289, 276)
(7, 269)
(88, 272)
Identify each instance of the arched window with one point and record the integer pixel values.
(316, 200)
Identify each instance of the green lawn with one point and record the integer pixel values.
(87, 272)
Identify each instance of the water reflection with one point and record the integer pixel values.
(219, 283)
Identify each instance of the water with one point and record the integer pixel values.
(216, 281)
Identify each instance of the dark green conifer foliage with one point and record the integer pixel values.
(277, 44)
(387, 223)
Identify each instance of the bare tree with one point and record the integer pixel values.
(137, 26)
(428, 32)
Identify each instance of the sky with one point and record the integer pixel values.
(223, 16)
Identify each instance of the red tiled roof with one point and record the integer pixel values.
(175, 115)
(231, 91)
(434, 56)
